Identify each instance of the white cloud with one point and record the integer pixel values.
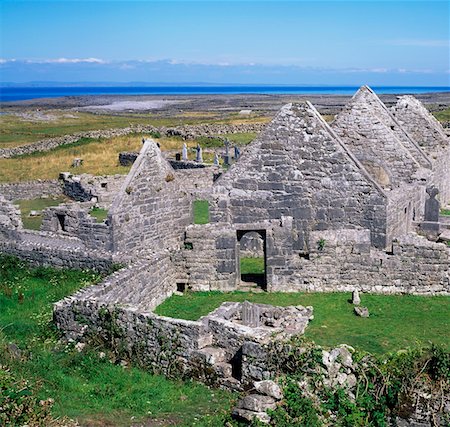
(6, 61)
(67, 61)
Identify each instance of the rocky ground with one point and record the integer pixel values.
(167, 106)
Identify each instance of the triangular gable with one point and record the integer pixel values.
(378, 140)
(420, 124)
(295, 144)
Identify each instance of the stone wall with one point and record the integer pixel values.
(379, 141)
(85, 187)
(74, 219)
(186, 132)
(299, 168)
(10, 217)
(31, 190)
(338, 260)
(48, 249)
(152, 208)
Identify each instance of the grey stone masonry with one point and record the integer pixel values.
(299, 168)
(74, 219)
(31, 190)
(430, 135)
(379, 141)
(86, 187)
(152, 209)
(10, 218)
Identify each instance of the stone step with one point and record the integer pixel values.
(230, 383)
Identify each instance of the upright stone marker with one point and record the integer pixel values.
(216, 159)
(184, 153)
(199, 157)
(237, 153)
(432, 205)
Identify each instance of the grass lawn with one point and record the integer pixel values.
(84, 386)
(445, 212)
(395, 322)
(99, 214)
(26, 206)
(252, 265)
(201, 212)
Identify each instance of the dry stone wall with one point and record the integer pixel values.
(31, 190)
(186, 132)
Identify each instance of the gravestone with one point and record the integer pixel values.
(432, 207)
(355, 297)
(216, 159)
(199, 157)
(237, 153)
(184, 153)
(177, 157)
(250, 314)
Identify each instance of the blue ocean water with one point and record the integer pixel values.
(23, 93)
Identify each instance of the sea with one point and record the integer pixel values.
(21, 93)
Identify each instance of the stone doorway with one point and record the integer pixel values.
(251, 262)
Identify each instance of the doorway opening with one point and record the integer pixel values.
(252, 274)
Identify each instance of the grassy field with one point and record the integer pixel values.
(395, 322)
(443, 116)
(85, 386)
(100, 156)
(26, 206)
(18, 130)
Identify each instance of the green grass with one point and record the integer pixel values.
(99, 214)
(252, 265)
(442, 116)
(201, 211)
(395, 322)
(84, 386)
(26, 206)
(445, 212)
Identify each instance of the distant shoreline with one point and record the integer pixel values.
(22, 93)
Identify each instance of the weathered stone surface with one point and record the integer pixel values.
(257, 403)
(361, 311)
(269, 388)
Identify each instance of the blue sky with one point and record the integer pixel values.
(297, 42)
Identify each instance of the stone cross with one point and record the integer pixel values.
(250, 314)
(199, 157)
(184, 153)
(432, 205)
(216, 159)
(237, 152)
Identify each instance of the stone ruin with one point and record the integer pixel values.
(341, 207)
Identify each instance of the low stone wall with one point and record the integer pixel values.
(74, 219)
(85, 187)
(185, 132)
(31, 190)
(52, 250)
